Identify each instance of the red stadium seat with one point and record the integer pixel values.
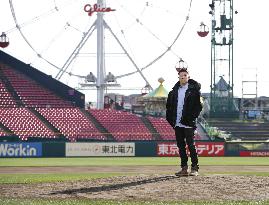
(163, 128)
(24, 123)
(31, 93)
(123, 126)
(72, 123)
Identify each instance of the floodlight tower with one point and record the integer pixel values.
(222, 80)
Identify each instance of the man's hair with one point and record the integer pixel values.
(183, 70)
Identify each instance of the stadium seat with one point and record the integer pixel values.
(72, 123)
(31, 93)
(123, 126)
(24, 123)
(163, 127)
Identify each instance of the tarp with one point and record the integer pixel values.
(159, 92)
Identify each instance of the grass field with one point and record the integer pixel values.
(113, 161)
(135, 161)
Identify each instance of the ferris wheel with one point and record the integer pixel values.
(99, 42)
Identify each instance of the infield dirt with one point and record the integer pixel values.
(152, 183)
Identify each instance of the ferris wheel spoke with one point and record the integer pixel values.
(35, 19)
(138, 19)
(154, 35)
(75, 51)
(18, 27)
(124, 37)
(167, 50)
(50, 43)
(31, 21)
(139, 22)
(130, 58)
(151, 63)
(53, 40)
(131, 15)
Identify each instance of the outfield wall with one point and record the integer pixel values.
(128, 149)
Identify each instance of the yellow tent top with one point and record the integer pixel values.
(159, 92)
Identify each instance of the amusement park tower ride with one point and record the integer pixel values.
(222, 80)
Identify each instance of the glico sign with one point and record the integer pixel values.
(96, 8)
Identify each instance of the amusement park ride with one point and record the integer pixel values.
(222, 97)
(4, 42)
(100, 25)
(221, 12)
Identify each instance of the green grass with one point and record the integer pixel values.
(115, 161)
(41, 178)
(111, 202)
(135, 161)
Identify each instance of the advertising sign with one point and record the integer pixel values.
(100, 149)
(254, 153)
(167, 149)
(20, 149)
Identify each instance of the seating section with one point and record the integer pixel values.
(72, 123)
(31, 93)
(242, 130)
(163, 128)
(6, 100)
(123, 126)
(24, 124)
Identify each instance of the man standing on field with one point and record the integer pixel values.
(183, 106)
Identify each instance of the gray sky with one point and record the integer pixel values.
(145, 28)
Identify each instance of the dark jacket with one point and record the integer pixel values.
(192, 104)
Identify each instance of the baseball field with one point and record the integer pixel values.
(133, 180)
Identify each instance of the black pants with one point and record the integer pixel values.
(183, 136)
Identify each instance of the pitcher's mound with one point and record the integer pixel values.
(159, 187)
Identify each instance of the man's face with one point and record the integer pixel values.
(183, 77)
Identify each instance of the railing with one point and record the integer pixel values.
(213, 132)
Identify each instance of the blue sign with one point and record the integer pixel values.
(20, 149)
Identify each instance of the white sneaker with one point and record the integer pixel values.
(194, 171)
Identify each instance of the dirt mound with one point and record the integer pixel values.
(160, 187)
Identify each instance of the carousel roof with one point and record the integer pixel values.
(159, 92)
(222, 85)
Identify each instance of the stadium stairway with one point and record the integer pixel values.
(243, 130)
(10, 89)
(202, 133)
(98, 125)
(60, 136)
(154, 132)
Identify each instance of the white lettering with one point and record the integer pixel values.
(163, 149)
(17, 150)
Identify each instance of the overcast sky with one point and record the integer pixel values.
(145, 29)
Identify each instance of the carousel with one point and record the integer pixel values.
(155, 101)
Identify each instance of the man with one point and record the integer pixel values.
(183, 106)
